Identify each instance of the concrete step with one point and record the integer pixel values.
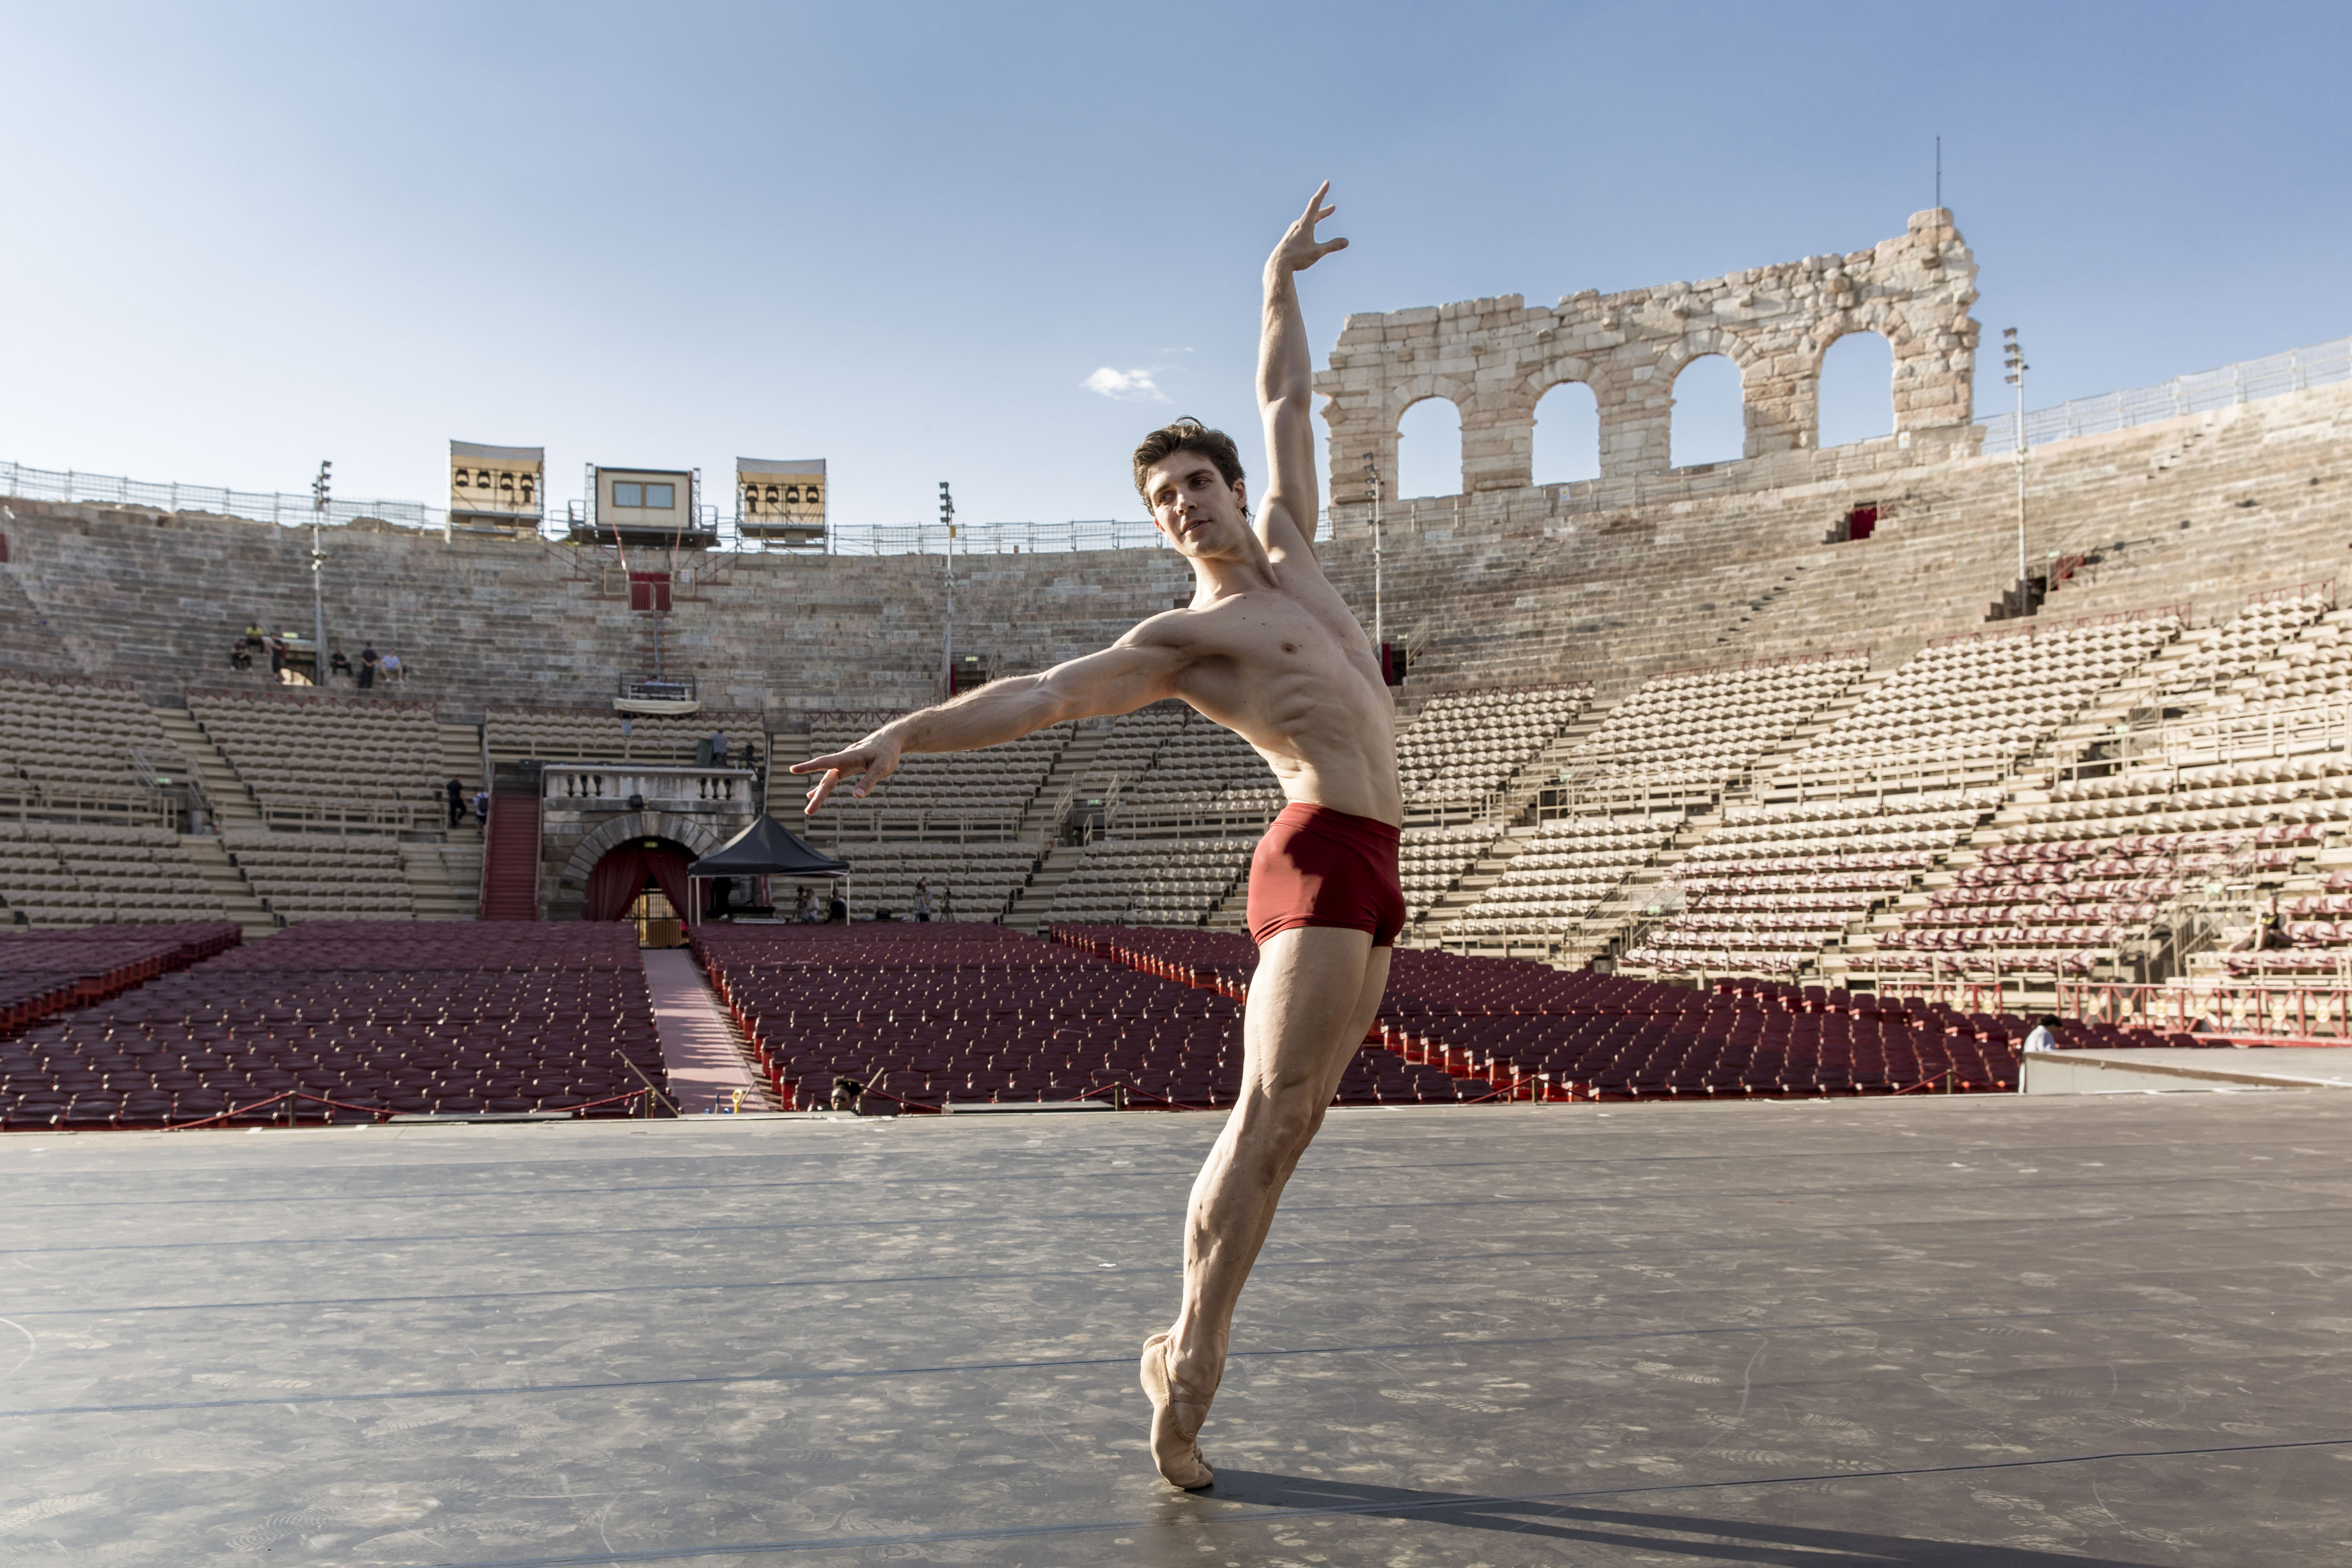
(219, 871)
(1030, 909)
(444, 878)
(232, 803)
(1037, 821)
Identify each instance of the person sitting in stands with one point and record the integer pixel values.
(392, 669)
(2268, 932)
(836, 913)
(811, 908)
(240, 657)
(338, 663)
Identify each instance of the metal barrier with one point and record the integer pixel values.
(2276, 1011)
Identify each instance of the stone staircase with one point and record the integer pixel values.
(461, 758)
(1542, 770)
(231, 802)
(1032, 907)
(1038, 823)
(1484, 873)
(213, 865)
(510, 858)
(445, 878)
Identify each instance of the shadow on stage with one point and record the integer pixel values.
(1717, 1540)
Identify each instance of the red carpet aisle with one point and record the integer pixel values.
(705, 1062)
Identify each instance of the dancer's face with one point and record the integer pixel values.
(1202, 515)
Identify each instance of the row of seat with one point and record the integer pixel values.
(934, 1015)
(315, 876)
(329, 761)
(62, 873)
(1535, 1033)
(366, 1019)
(1462, 747)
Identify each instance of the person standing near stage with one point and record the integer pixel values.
(1269, 649)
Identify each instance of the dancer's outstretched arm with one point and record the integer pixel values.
(1140, 668)
(1286, 390)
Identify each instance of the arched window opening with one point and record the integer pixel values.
(1429, 449)
(1710, 421)
(1857, 389)
(1567, 435)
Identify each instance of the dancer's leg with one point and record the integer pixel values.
(1315, 992)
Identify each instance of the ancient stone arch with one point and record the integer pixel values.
(619, 830)
(1493, 358)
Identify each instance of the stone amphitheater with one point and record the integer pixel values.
(1687, 722)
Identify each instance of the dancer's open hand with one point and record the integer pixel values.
(1300, 248)
(874, 759)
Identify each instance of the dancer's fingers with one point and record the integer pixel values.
(853, 761)
(874, 774)
(816, 794)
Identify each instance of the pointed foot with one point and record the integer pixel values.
(1176, 1420)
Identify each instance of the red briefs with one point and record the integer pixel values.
(1317, 867)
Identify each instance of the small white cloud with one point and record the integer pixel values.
(1125, 385)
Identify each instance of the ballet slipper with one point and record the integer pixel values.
(1176, 1417)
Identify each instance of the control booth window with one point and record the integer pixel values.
(659, 497)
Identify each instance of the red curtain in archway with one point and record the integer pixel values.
(615, 883)
(621, 876)
(668, 867)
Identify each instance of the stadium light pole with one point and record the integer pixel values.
(1372, 493)
(320, 487)
(947, 646)
(2013, 362)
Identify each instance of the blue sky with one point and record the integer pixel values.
(904, 237)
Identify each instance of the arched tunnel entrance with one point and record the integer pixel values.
(642, 881)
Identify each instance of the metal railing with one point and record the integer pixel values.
(2308, 727)
(261, 506)
(2248, 380)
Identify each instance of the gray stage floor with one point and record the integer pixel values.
(1931, 1331)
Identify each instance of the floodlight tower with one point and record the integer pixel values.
(1372, 494)
(319, 489)
(2012, 355)
(947, 649)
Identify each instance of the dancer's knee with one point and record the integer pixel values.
(1278, 1123)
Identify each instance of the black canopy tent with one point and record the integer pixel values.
(765, 848)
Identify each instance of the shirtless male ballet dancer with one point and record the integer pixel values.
(1268, 650)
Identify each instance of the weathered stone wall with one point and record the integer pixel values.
(158, 598)
(1499, 587)
(1494, 359)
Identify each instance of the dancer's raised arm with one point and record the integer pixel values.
(1286, 390)
(1140, 668)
